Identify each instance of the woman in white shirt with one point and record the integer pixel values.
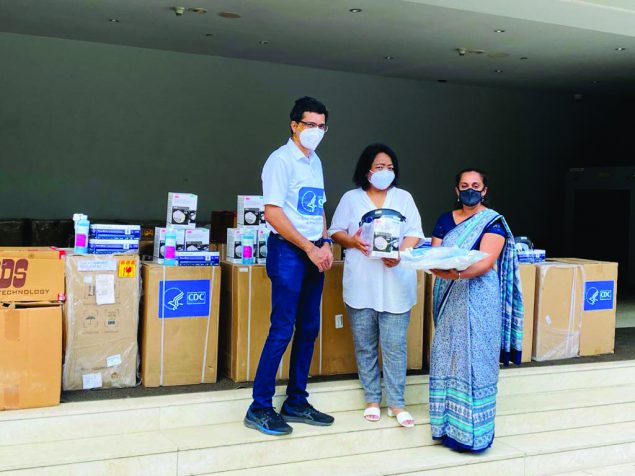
(379, 293)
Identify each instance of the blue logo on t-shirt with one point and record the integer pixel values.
(311, 201)
(598, 295)
(184, 298)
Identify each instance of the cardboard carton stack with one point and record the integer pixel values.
(251, 224)
(192, 243)
(109, 239)
(100, 321)
(245, 313)
(31, 291)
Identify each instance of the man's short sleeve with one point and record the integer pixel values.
(275, 181)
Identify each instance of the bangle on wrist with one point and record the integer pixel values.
(459, 278)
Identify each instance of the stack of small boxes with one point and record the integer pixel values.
(192, 244)
(247, 244)
(110, 239)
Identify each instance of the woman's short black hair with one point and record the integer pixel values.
(307, 104)
(365, 162)
(471, 169)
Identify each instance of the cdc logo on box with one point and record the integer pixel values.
(184, 298)
(598, 295)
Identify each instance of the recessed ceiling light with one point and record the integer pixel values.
(499, 31)
(621, 48)
(523, 58)
(389, 57)
(263, 42)
(199, 10)
(498, 70)
(355, 10)
(231, 15)
(113, 20)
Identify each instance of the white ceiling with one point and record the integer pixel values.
(570, 44)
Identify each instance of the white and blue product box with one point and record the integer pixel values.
(197, 239)
(159, 241)
(250, 210)
(102, 246)
(198, 258)
(234, 245)
(181, 210)
(115, 232)
(263, 236)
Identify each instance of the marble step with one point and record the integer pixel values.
(112, 417)
(525, 455)
(230, 446)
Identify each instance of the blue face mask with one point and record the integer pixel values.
(470, 197)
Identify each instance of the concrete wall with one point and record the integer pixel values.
(109, 130)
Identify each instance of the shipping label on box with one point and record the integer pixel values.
(197, 239)
(31, 275)
(181, 210)
(250, 210)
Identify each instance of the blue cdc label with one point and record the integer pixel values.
(184, 298)
(598, 295)
(311, 201)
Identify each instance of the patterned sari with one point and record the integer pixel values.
(478, 322)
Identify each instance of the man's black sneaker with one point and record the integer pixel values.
(305, 414)
(267, 421)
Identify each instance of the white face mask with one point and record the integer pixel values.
(382, 179)
(311, 138)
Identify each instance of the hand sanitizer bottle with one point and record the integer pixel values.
(170, 248)
(82, 226)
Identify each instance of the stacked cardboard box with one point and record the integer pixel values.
(179, 343)
(245, 315)
(100, 321)
(109, 239)
(31, 286)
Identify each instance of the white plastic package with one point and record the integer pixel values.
(440, 257)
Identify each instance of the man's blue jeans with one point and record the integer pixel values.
(296, 292)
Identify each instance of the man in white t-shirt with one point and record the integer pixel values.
(298, 253)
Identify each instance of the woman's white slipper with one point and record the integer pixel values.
(372, 413)
(404, 418)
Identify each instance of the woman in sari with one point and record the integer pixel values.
(478, 320)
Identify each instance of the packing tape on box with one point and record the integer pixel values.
(12, 323)
(209, 314)
(249, 324)
(162, 326)
(11, 395)
(571, 337)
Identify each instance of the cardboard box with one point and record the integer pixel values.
(101, 318)
(597, 332)
(114, 245)
(336, 338)
(557, 311)
(120, 232)
(30, 355)
(245, 313)
(31, 274)
(263, 236)
(197, 239)
(250, 210)
(179, 344)
(181, 210)
(528, 283)
(234, 247)
(197, 258)
(159, 241)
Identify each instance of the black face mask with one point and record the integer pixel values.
(470, 197)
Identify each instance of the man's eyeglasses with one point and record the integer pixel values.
(313, 125)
